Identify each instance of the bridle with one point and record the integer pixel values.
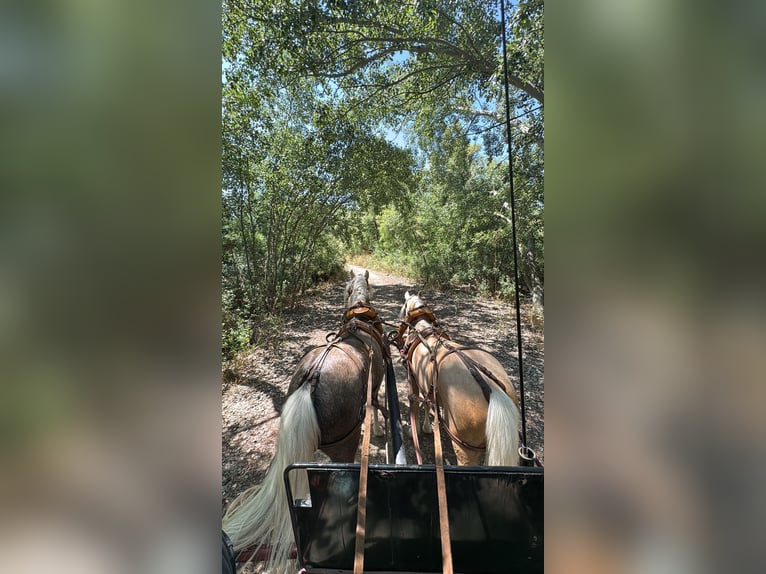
(407, 345)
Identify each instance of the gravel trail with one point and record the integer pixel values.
(255, 384)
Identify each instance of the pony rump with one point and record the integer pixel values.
(503, 420)
(260, 515)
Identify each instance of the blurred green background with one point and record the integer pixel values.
(110, 285)
(109, 289)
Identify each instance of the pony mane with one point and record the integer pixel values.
(358, 289)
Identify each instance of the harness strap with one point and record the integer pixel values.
(314, 371)
(460, 441)
(361, 511)
(414, 407)
(471, 365)
(344, 437)
(441, 487)
(414, 425)
(378, 338)
(419, 337)
(477, 366)
(375, 331)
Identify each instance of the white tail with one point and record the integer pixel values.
(260, 515)
(503, 420)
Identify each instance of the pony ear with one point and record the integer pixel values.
(406, 295)
(366, 274)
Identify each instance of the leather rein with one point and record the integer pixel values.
(364, 317)
(429, 396)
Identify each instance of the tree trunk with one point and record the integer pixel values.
(533, 282)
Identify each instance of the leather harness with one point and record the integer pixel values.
(359, 317)
(427, 396)
(431, 397)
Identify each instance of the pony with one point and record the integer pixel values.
(479, 406)
(324, 411)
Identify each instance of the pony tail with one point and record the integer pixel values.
(503, 420)
(260, 515)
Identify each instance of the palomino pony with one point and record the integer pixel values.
(324, 410)
(479, 406)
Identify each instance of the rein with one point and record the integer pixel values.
(361, 317)
(431, 397)
(361, 505)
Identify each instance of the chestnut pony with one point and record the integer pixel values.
(479, 406)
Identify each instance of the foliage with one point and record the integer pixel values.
(236, 335)
(423, 61)
(457, 232)
(293, 168)
(309, 88)
(406, 50)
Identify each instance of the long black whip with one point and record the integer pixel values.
(526, 453)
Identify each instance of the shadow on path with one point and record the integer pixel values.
(252, 405)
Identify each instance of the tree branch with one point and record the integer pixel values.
(408, 75)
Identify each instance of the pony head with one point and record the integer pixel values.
(358, 289)
(411, 301)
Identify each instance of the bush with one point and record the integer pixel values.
(267, 331)
(327, 260)
(236, 336)
(507, 289)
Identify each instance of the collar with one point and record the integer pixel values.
(418, 313)
(364, 312)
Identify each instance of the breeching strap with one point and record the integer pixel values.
(361, 509)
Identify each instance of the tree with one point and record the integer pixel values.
(308, 87)
(293, 165)
(398, 55)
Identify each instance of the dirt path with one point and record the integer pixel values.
(254, 386)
